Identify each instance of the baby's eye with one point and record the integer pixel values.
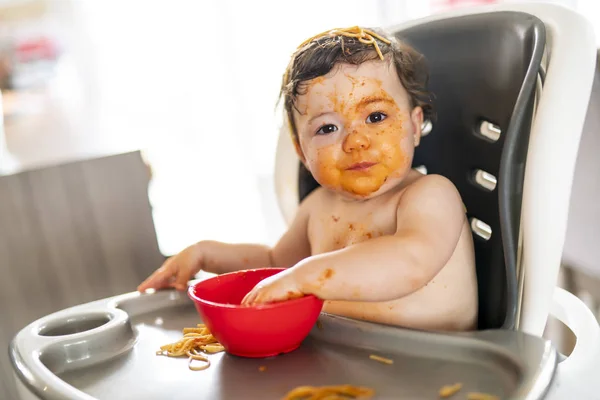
(376, 117)
(327, 129)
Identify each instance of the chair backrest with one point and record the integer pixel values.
(483, 74)
(71, 234)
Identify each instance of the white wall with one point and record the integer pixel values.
(194, 84)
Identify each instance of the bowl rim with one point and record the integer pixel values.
(192, 295)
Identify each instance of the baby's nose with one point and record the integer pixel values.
(356, 141)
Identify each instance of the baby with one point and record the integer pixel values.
(378, 241)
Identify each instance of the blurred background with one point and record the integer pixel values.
(180, 80)
(193, 85)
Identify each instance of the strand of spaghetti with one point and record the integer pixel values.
(194, 340)
(194, 330)
(319, 35)
(353, 31)
(376, 36)
(365, 36)
(300, 392)
(329, 392)
(381, 359)
(481, 396)
(450, 390)
(197, 357)
(213, 348)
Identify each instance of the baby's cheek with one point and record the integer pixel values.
(393, 155)
(328, 175)
(396, 153)
(324, 167)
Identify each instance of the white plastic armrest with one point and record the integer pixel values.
(573, 312)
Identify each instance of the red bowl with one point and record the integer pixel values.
(259, 331)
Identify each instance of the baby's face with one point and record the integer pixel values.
(356, 129)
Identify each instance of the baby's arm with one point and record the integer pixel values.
(220, 258)
(430, 218)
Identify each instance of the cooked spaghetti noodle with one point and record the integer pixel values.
(450, 390)
(381, 359)
(330, 393)
(194, 341)
(365, 36)
(481, 396)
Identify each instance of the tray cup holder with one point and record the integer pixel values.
(74, 324)
(78, 340)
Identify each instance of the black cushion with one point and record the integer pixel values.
(483, 68)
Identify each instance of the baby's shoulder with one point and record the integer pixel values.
(433, 192)
(430, 185)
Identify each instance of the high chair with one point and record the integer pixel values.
(511, 91)
(512, 84)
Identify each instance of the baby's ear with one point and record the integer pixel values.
(416, 117)
(294, 137)
(299, 151)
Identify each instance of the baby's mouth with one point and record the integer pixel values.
(361, 166)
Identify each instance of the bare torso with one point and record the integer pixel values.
(447, 302)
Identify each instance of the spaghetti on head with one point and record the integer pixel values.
(365, 36)
(318, 55)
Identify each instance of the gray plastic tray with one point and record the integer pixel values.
(106, 350)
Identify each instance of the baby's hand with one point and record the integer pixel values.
(280, 287)
(176, 271)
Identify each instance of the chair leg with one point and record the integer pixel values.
(584, 286)
(566, 279)
(556, 331)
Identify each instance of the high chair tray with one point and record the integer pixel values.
(107, 350)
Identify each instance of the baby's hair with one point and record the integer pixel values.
(318, 55)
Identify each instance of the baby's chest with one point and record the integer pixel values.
(329, 231)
